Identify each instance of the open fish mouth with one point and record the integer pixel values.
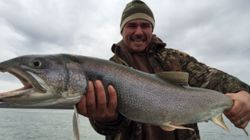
(30, 84)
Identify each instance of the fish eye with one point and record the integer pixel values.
(36, 63)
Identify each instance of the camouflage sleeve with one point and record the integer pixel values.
(111, 128)
(201, 75)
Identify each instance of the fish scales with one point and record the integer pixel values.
(141, 93)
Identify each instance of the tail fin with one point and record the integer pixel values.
(220, 122)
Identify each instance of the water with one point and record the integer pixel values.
(42, 124)
(50, 124)
(210, 131)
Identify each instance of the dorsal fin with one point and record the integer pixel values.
(177, 77)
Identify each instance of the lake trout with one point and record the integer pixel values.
(157, 99)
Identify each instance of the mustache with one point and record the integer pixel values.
(138, 38)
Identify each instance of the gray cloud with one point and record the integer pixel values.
(215, 32)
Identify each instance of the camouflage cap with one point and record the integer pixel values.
(136, 9)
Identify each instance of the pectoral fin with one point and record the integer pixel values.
(76, 124)
(170, 127)
(220, 122)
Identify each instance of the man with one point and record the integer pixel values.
(142, 50)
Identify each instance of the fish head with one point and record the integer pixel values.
(45, 80)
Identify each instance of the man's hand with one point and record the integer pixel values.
(95, 104)
(239, 114)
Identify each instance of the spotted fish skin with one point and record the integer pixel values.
(61, 80)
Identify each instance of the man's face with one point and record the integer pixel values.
(137, 34)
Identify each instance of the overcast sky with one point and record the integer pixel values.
(216, 32)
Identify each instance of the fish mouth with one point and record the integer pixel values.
(30, 84)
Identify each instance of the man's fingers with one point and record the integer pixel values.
(245, 120)
(91, 99)
(112, 105)
(234, 113)
(81, 106)
(239, 113)
(241, 123)
(95, 103)
(101, 97)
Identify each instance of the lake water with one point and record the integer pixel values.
(51, 124)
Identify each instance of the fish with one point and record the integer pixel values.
(164, 99)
